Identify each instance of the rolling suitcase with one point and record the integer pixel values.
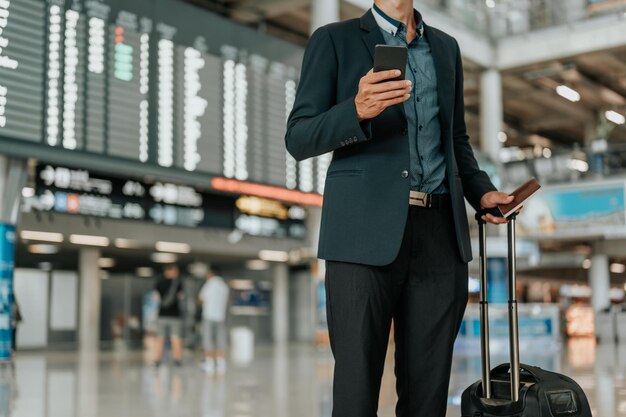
(514, 389)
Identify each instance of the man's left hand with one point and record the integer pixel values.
(491, 200)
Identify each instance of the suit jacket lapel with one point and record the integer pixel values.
(374, 37)
(442, 69)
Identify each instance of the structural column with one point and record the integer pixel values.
(90, 296)
(491, 112)
(280, 303)
(323, 12)
(12, 178)
(599, 281)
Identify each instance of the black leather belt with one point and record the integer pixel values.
(419, 199)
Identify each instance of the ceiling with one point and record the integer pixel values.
(532, 106)
(533, 113)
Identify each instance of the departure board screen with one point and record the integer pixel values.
(159, 82)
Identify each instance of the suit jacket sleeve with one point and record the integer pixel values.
(475, 181)
(318, 124)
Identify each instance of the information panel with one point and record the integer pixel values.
(162, 83)
(83, 192)
(21, 68)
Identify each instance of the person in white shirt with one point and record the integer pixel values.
(214, 299)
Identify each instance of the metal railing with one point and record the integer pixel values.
(500, 18)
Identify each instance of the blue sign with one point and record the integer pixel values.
(579, 210)
(586, 203)
(7, 256)
(528, 327)
(497, 287)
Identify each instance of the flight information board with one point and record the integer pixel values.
(159, 82)
(80, 191)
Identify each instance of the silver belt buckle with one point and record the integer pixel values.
(418, 198)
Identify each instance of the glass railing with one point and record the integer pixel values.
(500, 18)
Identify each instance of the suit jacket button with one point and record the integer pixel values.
(405, 174)
(405, 131)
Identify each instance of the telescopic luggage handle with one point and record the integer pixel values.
(512, 310)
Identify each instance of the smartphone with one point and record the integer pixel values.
(390, 57)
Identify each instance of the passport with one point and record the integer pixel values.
(521, 193)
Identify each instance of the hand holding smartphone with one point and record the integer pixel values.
(384, 86)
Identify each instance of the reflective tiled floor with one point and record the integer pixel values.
(294, 381)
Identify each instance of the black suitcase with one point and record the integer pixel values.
(514, 389)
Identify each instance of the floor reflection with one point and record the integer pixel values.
(288, 381)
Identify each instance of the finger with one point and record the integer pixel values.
(495, 220)
(394, 101)
(390, 85)
(500, 199)
(377, 77)
(391, 94)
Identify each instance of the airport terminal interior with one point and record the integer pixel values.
(144, 140)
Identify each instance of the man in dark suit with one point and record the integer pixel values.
(394, 231)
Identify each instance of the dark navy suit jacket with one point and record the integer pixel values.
(366, 191)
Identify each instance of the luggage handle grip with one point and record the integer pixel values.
(532, 370)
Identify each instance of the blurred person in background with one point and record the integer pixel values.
(394, 229)
(169, 292)
(16, 319)
(214, 299)
(150, 317)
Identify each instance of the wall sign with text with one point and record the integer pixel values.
(79, 191)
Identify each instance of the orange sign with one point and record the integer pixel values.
(73, 203)
(267, 191)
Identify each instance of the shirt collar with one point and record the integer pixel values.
(391, 25)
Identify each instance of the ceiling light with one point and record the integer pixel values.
(578, 165)
(274, 255)
(257, 265)
(28, 192)
(241, 284)
(587, 264)
(617, 268)
(106, 262)
(615, 117)
(568, 93)
(126, 243)
(41, 236)
(490, 3)
(89, 240)
(173, 247)
(43, 249)
(145, 272)
(163, 258)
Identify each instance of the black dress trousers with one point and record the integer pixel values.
(424, 291)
